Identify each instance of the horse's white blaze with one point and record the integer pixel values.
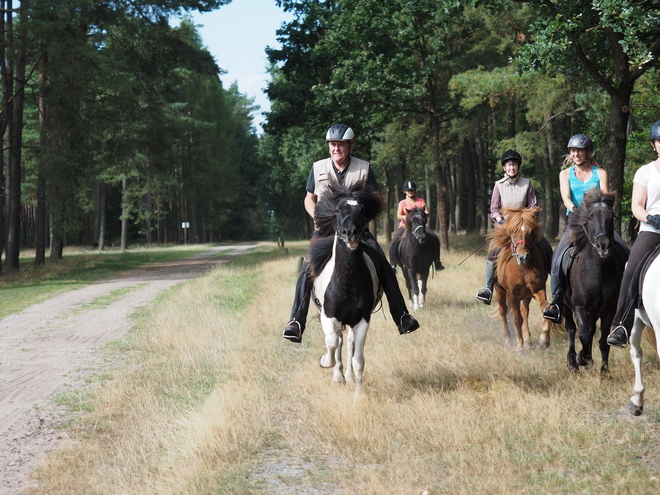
(646, 315)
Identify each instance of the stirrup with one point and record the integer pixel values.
(618, 337)
(293, 331)
(485, 295)
(552, 312)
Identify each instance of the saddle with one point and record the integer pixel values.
(634, 295)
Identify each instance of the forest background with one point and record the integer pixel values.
(117, 128)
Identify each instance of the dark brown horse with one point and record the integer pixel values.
(418, 247)
(593, 279)
(521, 274)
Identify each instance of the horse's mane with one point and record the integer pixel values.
(580, 216)
(324, 215)
(320, 249)
(516, 218)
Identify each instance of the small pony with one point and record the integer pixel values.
(346, 285)
(593, 279)
(521, 274)
(418, 248)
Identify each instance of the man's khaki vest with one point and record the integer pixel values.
(358, 170)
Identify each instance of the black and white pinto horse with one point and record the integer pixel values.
(418, 248)
(594, 278)
(346, 285)
(646, 315)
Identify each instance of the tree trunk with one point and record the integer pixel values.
(40, 228)
(15, 147)
(102, 216)
(124, 213)
(614, 147)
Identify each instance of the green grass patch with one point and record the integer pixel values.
(31, 285)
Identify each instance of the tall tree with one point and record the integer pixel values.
(610, 43)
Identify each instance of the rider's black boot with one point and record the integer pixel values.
(485, 294)
(552, 311)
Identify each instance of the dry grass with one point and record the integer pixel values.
(213, 400)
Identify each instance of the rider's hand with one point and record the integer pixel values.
(654, 221)
(501, 221)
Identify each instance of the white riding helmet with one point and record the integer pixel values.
(340, 132)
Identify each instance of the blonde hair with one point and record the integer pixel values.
(568, 161)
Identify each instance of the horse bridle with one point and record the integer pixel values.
(514, 245)
(595, 239)
(414, 232)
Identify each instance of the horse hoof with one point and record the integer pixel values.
(543, 345)
(635, 410)
(324, 364)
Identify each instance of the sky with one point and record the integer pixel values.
(237, 36)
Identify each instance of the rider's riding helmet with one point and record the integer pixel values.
(409, 185)
(655, 130)
(340, 132)
(581, 141)
(511, 155)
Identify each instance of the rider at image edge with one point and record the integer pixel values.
(408, 203)
(344, 169)
(511, 191)
(645, 205)
(580, 173)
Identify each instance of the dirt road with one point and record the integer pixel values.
(52, 347)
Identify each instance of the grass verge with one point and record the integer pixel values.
(213, 400)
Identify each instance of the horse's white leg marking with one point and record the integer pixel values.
(350, 351)
(331, 328)
(360, 334)
(636, 353)
(421, 294)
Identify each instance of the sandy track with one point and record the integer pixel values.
(51, 347)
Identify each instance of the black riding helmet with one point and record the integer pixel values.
(655, 131)
(581, 141)
(511, 155)
(340, 132)
(409, 185)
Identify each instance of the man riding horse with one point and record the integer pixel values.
(344, 169)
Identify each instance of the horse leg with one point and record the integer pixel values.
(333, 342)
(544, 338)
(413, 290)
(423, 280)
(587, 325)
(517, 321)
(527, 336)
(636, 405)
(570, 332)
(360, 337)
(502, 308)
(350, 351)
(605, 324)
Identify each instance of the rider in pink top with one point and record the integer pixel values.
(411, 201)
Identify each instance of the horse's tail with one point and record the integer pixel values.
(649, 335)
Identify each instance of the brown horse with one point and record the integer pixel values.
(521, 272)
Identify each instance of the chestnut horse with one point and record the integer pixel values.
(522, 270)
